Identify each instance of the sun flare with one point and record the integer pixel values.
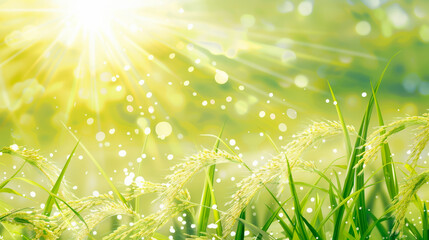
(93, 14)
(97, 15)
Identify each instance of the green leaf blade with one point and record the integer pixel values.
(49, 203)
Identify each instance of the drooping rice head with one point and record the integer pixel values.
(380, 136)
(147, 226)
(173, 198)
(101, 212)
(32, 156)
(276, 168)
(405, 198)
(39, 223)
(183, 172)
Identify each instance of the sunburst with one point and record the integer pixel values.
(93, 52)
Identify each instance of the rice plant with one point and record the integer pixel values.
(76, 217)
(345, 216)
(214, 119)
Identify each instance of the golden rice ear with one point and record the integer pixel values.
(146, 227)
(33, 157)
(66, 215)
(420, 142)
(183, 172)
(276, 167)
(174, 199)
(405, 197)
(145, 187)
(39, 223)
(103, 211)
(380, 136)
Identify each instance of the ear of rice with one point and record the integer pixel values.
(405, 197)
(183, 172)
(420, 142)
(380, 136)
(277, 167)
(39, 223)
(34, 158)
(103, 211)
(146, 227)
(173, 198)
(136, 190)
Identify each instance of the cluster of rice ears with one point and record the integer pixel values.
(81, 215)
(349, 215)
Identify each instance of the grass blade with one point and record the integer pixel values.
(374, 224)
(254, 229)
(239, 234)
(343, 204)
(206, 199)
(312, 229)
(379, 226)
(285, 227)
(355, 157)
(283, 224)
(10, 191)
(299, 218)
(97, 164)
(270, 220)
(386, 157)
(4, 183)
(216, 215)
(55, 196)
(425, 222)
(137, 200)
(360, 209)
(343, 124)
(332, 199)
(50, 202)
(412, 229)
(319, 215)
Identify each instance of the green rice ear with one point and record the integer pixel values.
(33, 157)
(379, 137)
(277, 168)
(405, 197)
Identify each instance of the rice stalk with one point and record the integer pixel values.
(277, 168)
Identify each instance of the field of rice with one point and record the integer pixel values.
(186, 119)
